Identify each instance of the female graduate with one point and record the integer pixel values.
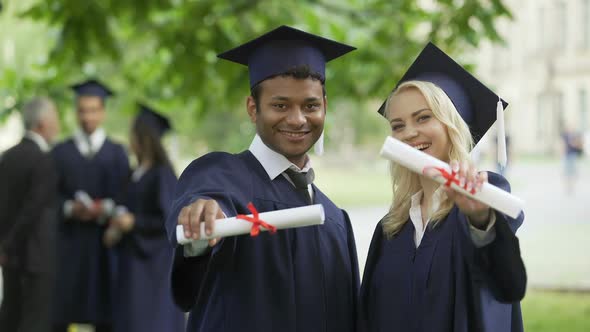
(143, 300)
(438, 260)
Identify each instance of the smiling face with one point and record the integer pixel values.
(289, 116)
(413, 122)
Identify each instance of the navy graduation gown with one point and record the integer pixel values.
(83, 290)
(143, 300)
(303, 279)
(446, 284)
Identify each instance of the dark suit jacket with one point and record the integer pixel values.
(28, 191)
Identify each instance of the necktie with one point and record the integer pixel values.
(301, 180)
(90, 150)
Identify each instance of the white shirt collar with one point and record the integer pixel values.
(273, 162)
(416, 212)
(38, 139)
(97, 139)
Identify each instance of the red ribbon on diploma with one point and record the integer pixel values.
(256, 221)
(450, 177)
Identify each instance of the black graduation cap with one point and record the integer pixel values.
(92, 87)
(155, 120)
(284, 48)
(475, 102)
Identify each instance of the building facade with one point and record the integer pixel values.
(543, 70)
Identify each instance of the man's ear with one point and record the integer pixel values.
(251, 108)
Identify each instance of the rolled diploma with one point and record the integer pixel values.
(281, 219)
(83, 197)
(417, 161)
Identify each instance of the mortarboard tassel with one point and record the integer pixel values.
(318, 148)
(501, 134)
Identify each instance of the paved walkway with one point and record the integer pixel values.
(555, 236)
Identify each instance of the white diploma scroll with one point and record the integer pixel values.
(83, 197)
(417, 161)
(281, 219)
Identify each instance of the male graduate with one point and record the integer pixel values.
(28, 185)
(92, 170)
(303, 279)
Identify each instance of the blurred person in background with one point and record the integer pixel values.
(143, 298)
(573, 149)
(586, 142)
(439, 260)
(92, 170)
(28, 204)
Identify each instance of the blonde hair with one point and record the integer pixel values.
(406, 183)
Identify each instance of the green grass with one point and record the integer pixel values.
(550, 312)
(358, 186)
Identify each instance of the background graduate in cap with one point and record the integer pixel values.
(303, 279)
(143, 301)
(92, 171)
(440, 261)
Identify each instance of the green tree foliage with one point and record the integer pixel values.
(164, 52)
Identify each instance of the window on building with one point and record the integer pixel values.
(541, 110)
(559, 112)
(585, 12)
(561, 27)
(541, 42)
